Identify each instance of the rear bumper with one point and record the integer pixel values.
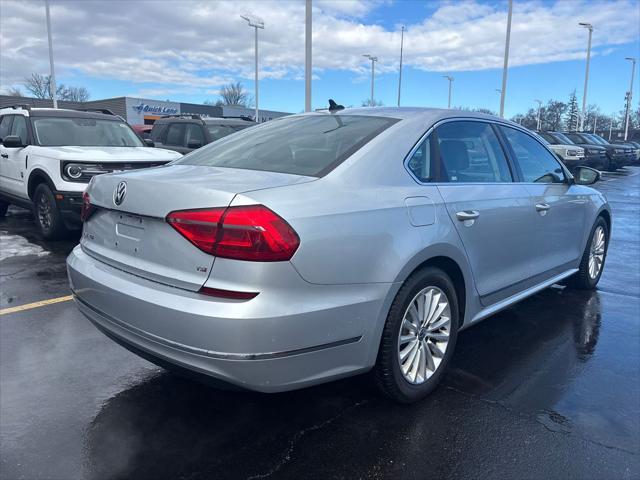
(295, 344)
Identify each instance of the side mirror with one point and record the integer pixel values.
(586, 176)
(194, 144)
(12, 141)
(149, 143)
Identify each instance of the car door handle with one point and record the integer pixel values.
(467, 215)
(542, 207)
(4, 155)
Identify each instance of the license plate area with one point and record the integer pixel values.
(129, 232)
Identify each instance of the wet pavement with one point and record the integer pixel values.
(549, 388)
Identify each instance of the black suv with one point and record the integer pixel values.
(595, 156)
(616, 154)
(185, 133)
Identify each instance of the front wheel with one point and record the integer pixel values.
(419, 336)
(47, 215)
(593, 258)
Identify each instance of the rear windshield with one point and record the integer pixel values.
(84, 132)
(219, 131)
(308, 145)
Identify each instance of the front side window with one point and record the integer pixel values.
(84, 132)
(175, 135)
(420, 161)
(311, 145)
(471, 152)
(19, 128)
(537, 164)
(5, 125)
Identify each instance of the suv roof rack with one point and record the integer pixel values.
(106, 111)
(241, 117)
(16, 106)
(193, 116)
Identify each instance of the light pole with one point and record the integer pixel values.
(307, 57)
(539, 102)
(610, 127)
(505, 68)
(629, 97)
(450, 78)
(586, 74)
(52, 79)
(400, 77)
(373, 73)
(256, 23)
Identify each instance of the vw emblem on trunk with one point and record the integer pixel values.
(119, 193)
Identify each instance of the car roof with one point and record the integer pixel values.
(59, 112)
(200, 120)
(228, 121)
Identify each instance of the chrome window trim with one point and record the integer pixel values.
(515, 126)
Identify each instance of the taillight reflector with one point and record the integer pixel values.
(233, 295)
(87, 209)
(248, 232)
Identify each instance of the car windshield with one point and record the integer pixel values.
(597, 139)
(310, 145)
(575, 138)
(563, 139)
(84, 132)
(548, 139)
(219, 131)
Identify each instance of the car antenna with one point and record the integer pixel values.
(334, 107)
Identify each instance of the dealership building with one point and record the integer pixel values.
(143, 111)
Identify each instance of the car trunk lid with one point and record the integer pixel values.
(131, 233)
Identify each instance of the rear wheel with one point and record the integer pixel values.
(4, 206)
(593, 258)
(47, 215)
(419, 336)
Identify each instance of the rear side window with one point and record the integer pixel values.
(219, 131)
(194, 134)
(5, 126)
(537, 164)
(420, 161)
(310, 145)
(471, 152)
(157, 132)
(175, 135)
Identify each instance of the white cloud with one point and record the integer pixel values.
(195, 46)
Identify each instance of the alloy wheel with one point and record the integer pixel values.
(596, 252)
(44, 212)
(424, 335)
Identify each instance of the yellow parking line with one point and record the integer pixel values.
(29, 306)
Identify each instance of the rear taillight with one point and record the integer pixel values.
(87, 209)
(251, 232)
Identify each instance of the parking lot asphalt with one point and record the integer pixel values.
(547, 389)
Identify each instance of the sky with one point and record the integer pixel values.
(186, 50)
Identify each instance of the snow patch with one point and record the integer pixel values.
(17, 246)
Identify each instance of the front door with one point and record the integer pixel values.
(560, 207)
(491, 212)
(12, 160)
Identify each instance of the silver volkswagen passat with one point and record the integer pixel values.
(323, 245)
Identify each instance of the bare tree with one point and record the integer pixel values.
(14, 92)
(40, 87)
(234, 94)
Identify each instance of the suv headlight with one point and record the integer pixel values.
(619, 150)
(573, 153)
(81, 172)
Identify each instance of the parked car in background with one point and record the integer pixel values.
(616, 155)
(571, 154)
(323, 245)
(629, 150)
(143, 130)
(634, 145)
(595, 155)
(48, 156)
(185, 133)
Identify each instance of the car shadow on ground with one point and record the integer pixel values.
(170, 426)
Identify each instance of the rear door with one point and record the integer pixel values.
(560, 208)
(491, 213)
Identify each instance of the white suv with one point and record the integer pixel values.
(48, 156)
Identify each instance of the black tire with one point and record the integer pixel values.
(48, 217)
(582, 279)
(387, 371)
(4, 206)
